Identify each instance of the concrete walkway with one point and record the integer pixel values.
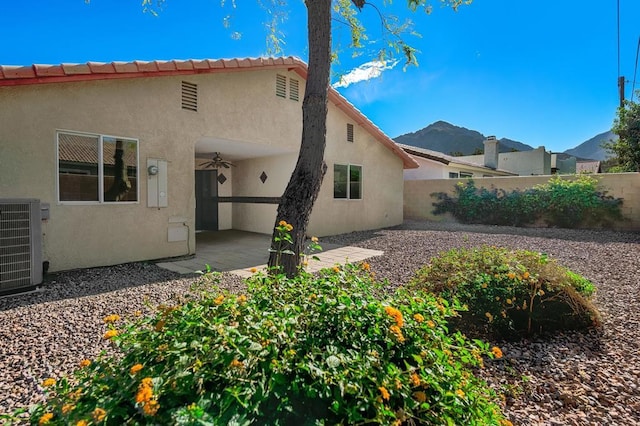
(239, 252)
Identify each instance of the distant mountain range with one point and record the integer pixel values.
(454, 140)
(592, 148)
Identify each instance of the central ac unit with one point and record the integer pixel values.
(20, 245)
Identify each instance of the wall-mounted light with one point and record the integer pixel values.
(152, 170)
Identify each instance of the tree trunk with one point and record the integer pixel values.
(306, 179)
(121, 184)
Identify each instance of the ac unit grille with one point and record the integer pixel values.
(20, 255)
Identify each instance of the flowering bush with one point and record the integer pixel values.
(509, 293)
(329, 348)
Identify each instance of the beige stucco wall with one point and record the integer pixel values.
(382, 178)
(239, 106)
(418, 203)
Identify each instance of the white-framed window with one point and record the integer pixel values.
(456, 175)
(96, 169)
(347, 181)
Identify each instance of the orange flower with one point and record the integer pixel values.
(85, 363)
(336, 269)
(525, 275)
(46, 418)
(384, 393)
(397, 332)
(67, 408)
(511, 275)
(81, 423)
(135, 368)
(111, 318)
(48, 382)
(431, 324)
(109, 334)
(420, 396)
(289, 227)
(253, 270)
(366, 266)
(415, 379)
(314, 239)
(99, 414)
(242, 299)
(282, 223)
(418, 317)
(236, 364)
(395, 314)
(496, 352)
(151, 408)
(489, 316)
(218, 300)
(460, 393)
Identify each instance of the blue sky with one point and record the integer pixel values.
(541, 72)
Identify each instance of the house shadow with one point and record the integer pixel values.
(577, 235)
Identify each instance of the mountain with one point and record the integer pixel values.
(591, 149)
(449, 139)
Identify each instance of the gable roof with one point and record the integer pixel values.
(66, 73)
(447, 159)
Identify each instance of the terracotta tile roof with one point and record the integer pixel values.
(65, 73)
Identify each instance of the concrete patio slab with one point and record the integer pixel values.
(241, 252)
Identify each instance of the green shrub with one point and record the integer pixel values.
(571, 203)
(509, 293)
(560, 202)
(324, 349)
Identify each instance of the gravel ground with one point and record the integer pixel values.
(570, 379)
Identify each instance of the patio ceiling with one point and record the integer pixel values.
(232, 150)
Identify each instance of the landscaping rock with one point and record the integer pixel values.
(572, 378)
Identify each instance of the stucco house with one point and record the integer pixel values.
(523, 163)
(130, 159)
(436, 165)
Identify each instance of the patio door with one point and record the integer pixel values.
(206, 200)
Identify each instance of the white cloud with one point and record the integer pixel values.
(366, 71)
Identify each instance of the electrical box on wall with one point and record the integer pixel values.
(157, 183)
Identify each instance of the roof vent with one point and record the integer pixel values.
(189, 96)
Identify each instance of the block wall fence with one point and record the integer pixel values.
(418, 202)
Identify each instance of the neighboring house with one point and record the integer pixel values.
(436, 165)
(563, 164)
(523, 163)
(116, 150)
(589, 167)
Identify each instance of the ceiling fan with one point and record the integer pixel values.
(217, 162)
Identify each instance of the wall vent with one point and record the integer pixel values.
(349, 132)
(281, 86)
(294, 91)
(189, 96)
(20, 245)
